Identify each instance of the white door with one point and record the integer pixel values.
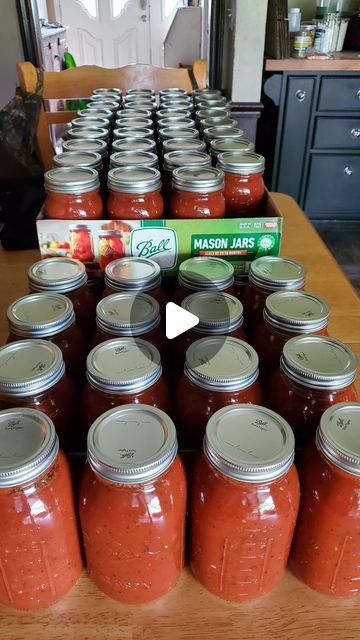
(108, 33)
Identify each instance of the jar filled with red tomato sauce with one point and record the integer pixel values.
(221, 145)
(287, 314)
(219, 314)
(122, 371)
(315, 372)
(134, 144)
(72, 193)
(197, 193)
(245, 497)
(89, 144)
(135, 275)
(326, 552)
(268, 274)
(66, 276)
(50, 316)
(133, 504)
(134, 159)
(244, 188)
(134, 193)
(40, 555)
(175, 159)
(204, 273)
(218, 371)
(32, 374)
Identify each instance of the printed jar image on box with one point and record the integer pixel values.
(168, 242)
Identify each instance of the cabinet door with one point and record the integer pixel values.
(337, 133)
(333, 187)
(295, 127)
(340, 94)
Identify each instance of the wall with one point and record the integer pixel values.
(11, 50)
(308, 7)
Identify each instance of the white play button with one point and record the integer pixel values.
(178, 320)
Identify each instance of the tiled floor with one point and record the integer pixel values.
(343, 240)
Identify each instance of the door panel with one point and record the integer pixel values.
(337, 133)
(333, 186)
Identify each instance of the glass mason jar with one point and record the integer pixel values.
(143, 132)
(183, 144)
(87, 159)
(89, 144)
(133, 504)
(239, 145)
(134, 144)
(197, 193)
(217, 133)
(218, 121)
(135, 275)
(66, 276)
(202, 114)
(97, 133)
(315, 372)
(72, 193)
(200, 94)
(97, 113)
(168, 112)
(244, 189)
(112, 90)
(219, 314)
(178, 121)
(204, 273)
(132, 122)
(110, 246)
(219, 371)
(40, 553)
(134, 159)
(81, 243)
(32, 374)
(245, 498)
(90, 121)
(134, 194)
(112, 104)
(287, 314)
(128, 314)
(128, 114)
(212, 102)
(174, 159)
(168, 133)
(183, 102)
(325, 553)
(122, 371)
(268, 274)
(50, 316)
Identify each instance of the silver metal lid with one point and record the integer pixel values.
(220, 145)
(128, 114)
(172, 90)
(143, 132)
(86, 144)
(182, 112)
(177, 132)
(133, 122)
(111, 105)
(275, 272)
(140, 91)
(71, 180)
(103, 90)
(318, 362)
(212, 103)
(249, 443)
(337, 436)
(28, 445)
(78, 133)
(216, 133)
(90, 121)
(57, 274)
(29, 366)
(202, 114)
(206, 93)
(134, 144)
(127, 314)
(172, 101)
(78, 159)
(123, 365)
(206, 273)
(221, 363)
(218, 121)
(132, 444)
(97, 113)
(183, 144)
(198, 180)
(106, 94)
(296, 311)
(140, 97)
(134, 179)
(174, 159)
(240, 162)
(219, 313)
(40, 315)
(133, 274)
(176, 121)
(133, 159)
(144, 107)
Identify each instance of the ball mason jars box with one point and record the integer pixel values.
(167, 241)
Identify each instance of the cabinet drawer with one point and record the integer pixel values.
(340, 94)
(333, 185)
(337, 133)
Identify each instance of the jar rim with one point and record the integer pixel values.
(40, 315)
(128, 314)
(40, 362)
(276, 272)
(133, 179)
(296, 311)
(198, 179)
(71, 180)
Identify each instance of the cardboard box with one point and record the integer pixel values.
(169, 242)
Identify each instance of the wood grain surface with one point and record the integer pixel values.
(342, 61)
(291, 611)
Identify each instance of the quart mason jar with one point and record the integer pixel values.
(325, 553)
(219, 371)
(221, 145)
(134, 193)
(134, 144)
(40, 553)
(135, 275)
(197, 193)
(244, 189)
(72, 194)
(245, 498)
(133, 504)
(204, 273)
(315, 372)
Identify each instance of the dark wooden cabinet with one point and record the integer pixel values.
(314, 152)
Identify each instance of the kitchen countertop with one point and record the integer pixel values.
(342, 61)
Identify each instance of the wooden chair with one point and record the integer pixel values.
(81, 81)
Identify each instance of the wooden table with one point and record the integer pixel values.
(291, 610)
